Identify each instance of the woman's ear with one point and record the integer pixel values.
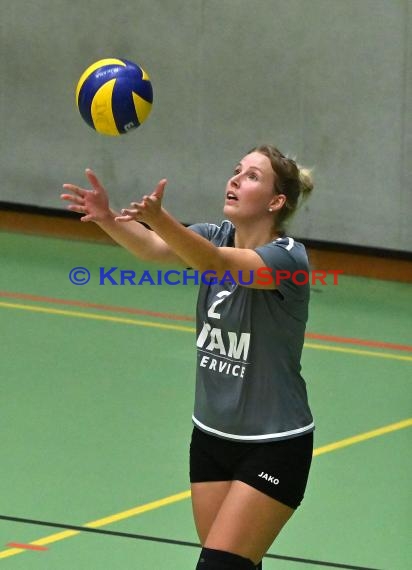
(277, 202)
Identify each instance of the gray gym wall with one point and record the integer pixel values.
(327, 81)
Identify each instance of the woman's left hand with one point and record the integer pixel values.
(148, 210)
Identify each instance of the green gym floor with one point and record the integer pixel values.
(95, 417)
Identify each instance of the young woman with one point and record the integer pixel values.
(252, 439)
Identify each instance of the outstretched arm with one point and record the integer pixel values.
(94, 205)
(193, 249)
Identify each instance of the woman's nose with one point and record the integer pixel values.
(234, 181)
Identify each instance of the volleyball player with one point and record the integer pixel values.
(252, 439)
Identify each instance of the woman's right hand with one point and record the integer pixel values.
(93, 203)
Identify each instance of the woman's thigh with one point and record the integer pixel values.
(207, 498)
(247, 522)
(243, 494)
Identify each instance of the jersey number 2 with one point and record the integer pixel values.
(221, 297)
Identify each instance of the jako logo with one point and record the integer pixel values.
(269, 478)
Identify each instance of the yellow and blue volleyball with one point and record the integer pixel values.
(114, 96)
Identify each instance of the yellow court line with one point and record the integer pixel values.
(93, 316)
(101, 522)
(137, 322)
(186, 494)
(139, 510)
(358, 351)
(362, 437)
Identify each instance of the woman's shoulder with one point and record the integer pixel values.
(219, 234)
(288, 243)
(284, 250)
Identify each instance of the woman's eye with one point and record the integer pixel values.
(250, 175)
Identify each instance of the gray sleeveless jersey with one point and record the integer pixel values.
(249, 345)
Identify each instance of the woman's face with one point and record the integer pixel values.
(249, 192)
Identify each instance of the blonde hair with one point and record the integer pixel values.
(291, 180)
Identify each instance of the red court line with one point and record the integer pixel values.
(176, 317)
(86, 305)
(359, 341)
(26, 546)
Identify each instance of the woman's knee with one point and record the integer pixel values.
(211, 559)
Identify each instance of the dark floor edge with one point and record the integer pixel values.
(170, 541)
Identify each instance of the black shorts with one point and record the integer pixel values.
(279, 469)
